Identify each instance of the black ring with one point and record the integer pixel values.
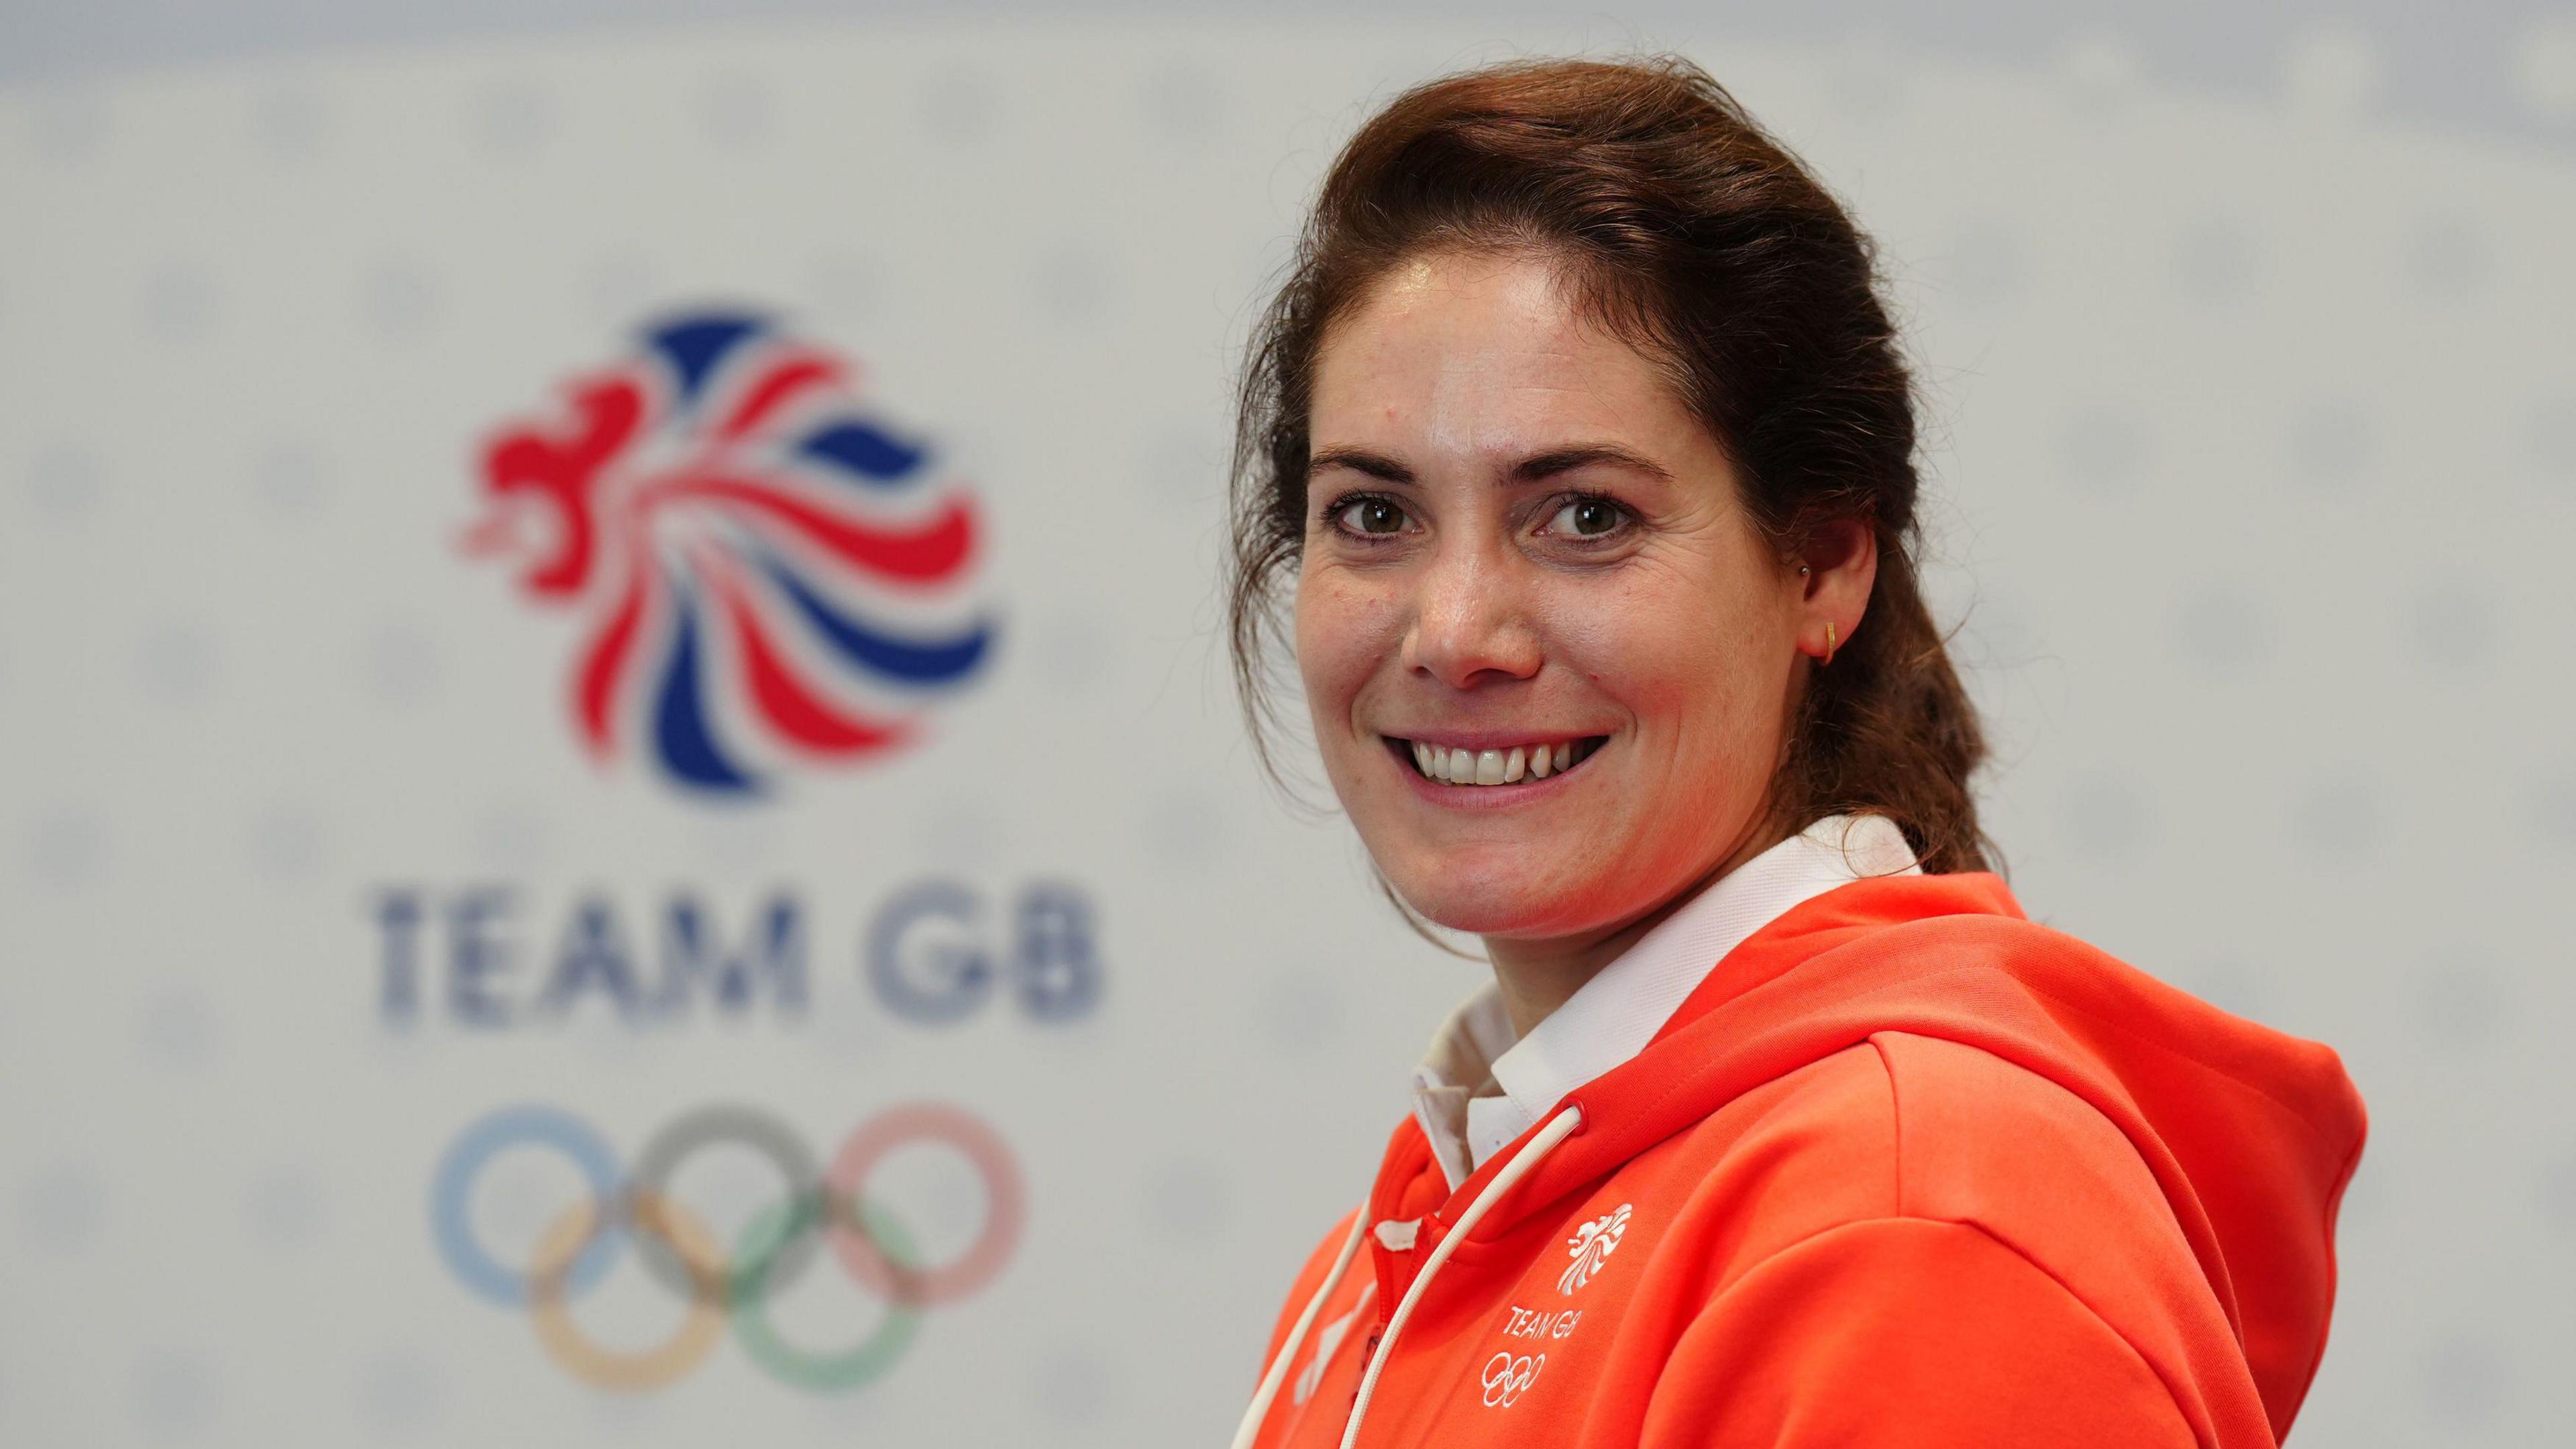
(763, 1133)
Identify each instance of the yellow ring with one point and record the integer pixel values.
(650, 1368)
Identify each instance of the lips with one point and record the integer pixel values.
(1499, 764)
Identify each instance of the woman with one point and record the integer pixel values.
(1589, 448)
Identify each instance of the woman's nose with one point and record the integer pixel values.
(1470, 624)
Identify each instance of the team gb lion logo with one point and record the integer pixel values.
(766, 571)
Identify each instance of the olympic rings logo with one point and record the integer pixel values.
(826, 1205)
(1507, 1378)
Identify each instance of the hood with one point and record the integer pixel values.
(2251, 1133)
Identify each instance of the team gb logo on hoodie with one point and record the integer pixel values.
(1591, 1246)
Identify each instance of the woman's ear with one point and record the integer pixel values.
(1838, 563)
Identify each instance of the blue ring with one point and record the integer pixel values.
(450, 1214)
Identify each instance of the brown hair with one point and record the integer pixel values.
(1692, 234)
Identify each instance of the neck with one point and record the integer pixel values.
(1536, 976)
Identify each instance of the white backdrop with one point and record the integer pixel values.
(2253, 433)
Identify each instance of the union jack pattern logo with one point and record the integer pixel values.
(1591, 1246)
(767, 571)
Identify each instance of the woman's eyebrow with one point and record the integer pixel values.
(1359, 460)
(1542, 466)
(1537, 468)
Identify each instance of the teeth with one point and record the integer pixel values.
(1492, 767)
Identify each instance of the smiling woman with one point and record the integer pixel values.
(1522, 538)
(1582, 434)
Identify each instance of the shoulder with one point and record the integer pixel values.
(1800, 1154)
(1918, 1128)
(1912, 1209)
(1981, 1140)
(1907, 1331)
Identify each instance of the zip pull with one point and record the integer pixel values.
(1367, 1350)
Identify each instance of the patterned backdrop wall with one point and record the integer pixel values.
(623, 822)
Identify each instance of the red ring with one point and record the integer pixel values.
(1005, 1202)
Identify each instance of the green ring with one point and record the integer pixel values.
(822, 1373)
(764, 1242)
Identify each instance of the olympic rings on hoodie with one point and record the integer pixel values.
(578, 1248)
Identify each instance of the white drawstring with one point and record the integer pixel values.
(1558, 1128)
(1250, 1428)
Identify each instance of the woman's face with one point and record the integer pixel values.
(1527, 567)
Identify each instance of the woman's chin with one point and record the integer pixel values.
(1497, 903)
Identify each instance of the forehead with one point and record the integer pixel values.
(1485, 354)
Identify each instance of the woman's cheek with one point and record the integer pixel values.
(1340, 617)
(1339, 648)
(1641, 653)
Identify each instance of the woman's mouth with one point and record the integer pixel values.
(1503, 765)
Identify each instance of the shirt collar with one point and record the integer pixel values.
(1478, 1089)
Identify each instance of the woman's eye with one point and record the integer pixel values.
(1371, 516)
(1587, 518)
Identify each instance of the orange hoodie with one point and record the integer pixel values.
(1905, 1169)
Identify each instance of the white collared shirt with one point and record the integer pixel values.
(1478, 1088)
